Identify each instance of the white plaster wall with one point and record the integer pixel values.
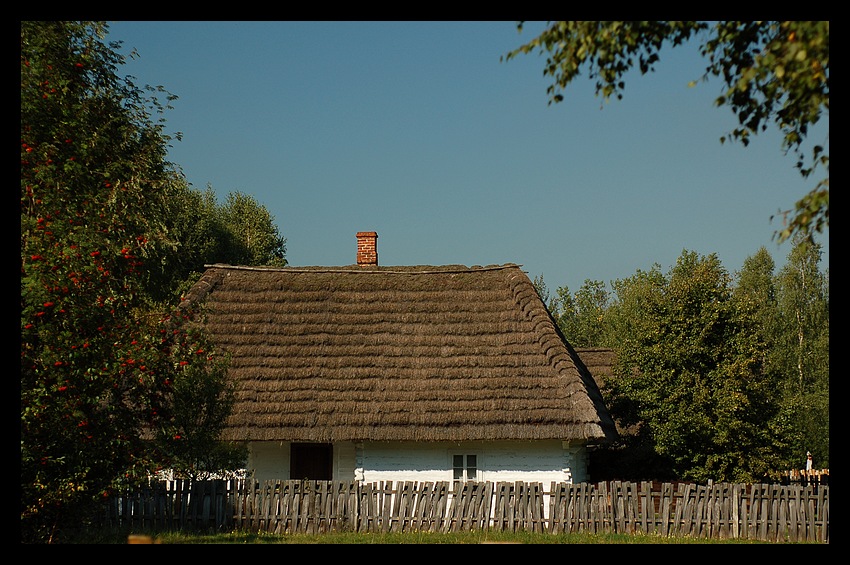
(541, 461)
(268, 460)
(344, 462)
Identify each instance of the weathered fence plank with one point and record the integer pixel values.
(758, 511)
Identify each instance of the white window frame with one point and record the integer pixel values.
(460, 465)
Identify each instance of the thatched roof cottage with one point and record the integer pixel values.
(424, 373)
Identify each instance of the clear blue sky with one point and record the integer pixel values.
(417, 130)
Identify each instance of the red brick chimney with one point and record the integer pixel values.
(367, 248)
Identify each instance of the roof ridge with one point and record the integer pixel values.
(446, 269)
(530, 302)
(202, 287)
(554, 345)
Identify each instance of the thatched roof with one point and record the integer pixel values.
(599, 361)
(419, 353)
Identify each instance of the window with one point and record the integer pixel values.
(465, 468)
(312, 461)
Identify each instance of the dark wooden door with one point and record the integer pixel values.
(312, 461)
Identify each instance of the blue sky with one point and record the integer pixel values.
(418, 131)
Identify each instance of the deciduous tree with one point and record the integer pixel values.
(201, 399)
(802, 347)
(690, 375)
(97, 363)
(254, 238)
(582, 315)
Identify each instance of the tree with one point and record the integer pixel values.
(552, 303)
(200, 402)
(253, 237)
(192, 237)
(690, 378)
(755, 290)
(582, 316)
(97, 363)
(756, 284)
(200, 231)
(802, 347)
(772, 72)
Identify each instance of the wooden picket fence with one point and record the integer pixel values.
(769, 512)
(804, 477)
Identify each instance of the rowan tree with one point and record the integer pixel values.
(97, 363)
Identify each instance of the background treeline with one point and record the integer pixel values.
(717, 376)
(201, 230)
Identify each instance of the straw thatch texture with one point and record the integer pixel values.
(599, 361)
(396, 353)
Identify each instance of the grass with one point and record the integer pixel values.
(480, 537)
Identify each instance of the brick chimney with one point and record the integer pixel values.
(367, 248)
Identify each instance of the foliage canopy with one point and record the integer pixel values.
(690, 374)
(99, 360)
(715, 378)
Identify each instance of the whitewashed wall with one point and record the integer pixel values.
(268, 460)
(344, 461)
(542, 461)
